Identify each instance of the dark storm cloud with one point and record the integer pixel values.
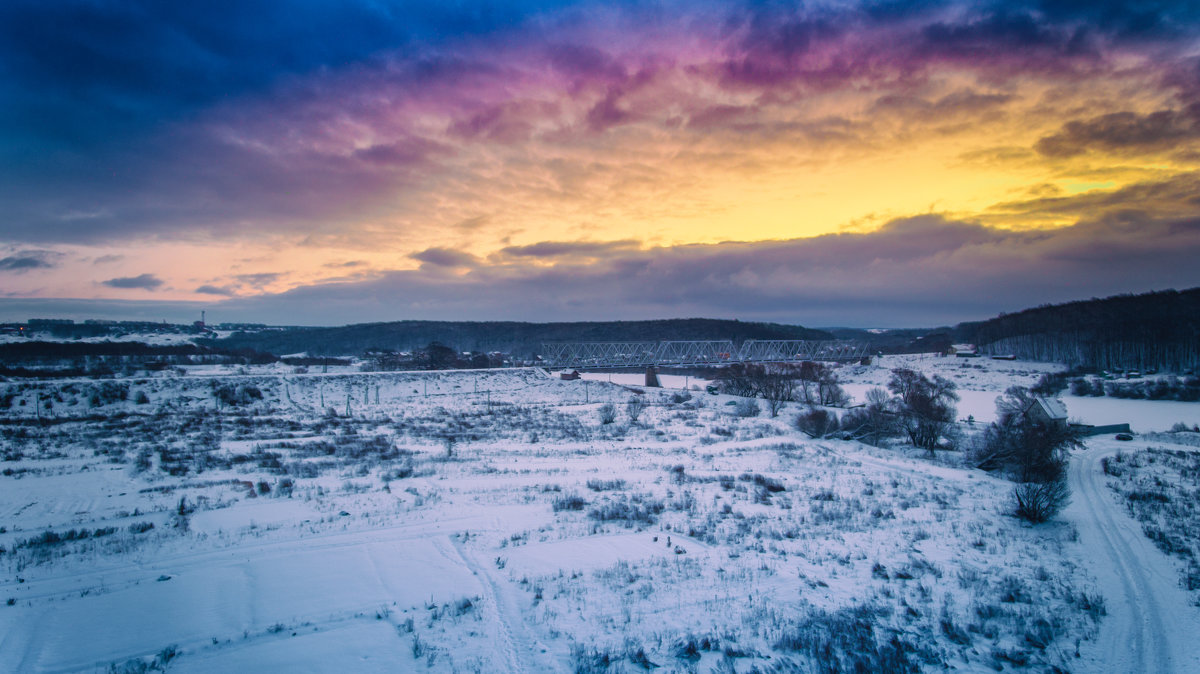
(142, 281)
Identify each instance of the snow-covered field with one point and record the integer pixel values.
(489, 521)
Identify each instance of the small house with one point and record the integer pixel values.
(1048, 410)
(569, 375)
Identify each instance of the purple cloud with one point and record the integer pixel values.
(26, 260)
(445, 257)
(225, 291)
(142, 281)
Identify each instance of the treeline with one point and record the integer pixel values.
(1159, 330)
(1186, 389)
(98, 359)
(523, 340)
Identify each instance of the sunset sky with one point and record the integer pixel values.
(833, 163)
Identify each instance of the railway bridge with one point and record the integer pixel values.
(590, 355)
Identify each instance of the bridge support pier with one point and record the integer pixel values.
(652, 377)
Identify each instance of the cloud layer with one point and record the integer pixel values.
(262, 151)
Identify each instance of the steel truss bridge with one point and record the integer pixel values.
(704, 352)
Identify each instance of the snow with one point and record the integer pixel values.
(1152, 625)
(461, 551)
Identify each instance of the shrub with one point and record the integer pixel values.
(747, 407)
(606, 485)
(637, 509)
(816, 422)
(1051, 383)
(1038, 502)
(568, 502)
(770, 484)
(635, 407)
(846, 641)
(234, 396)
(608, 413)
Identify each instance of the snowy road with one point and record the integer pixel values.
(1151, 627)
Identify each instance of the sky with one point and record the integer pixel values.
(869, 164)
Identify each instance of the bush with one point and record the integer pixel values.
(608, 413)
(817, 423)
(747, 407)
(234, 396)
(846, 641)
(1049, 384)
(1038, 502)
(1086, 387)
(874, 422)
(633, 510)
(568, 502)
(635, 407)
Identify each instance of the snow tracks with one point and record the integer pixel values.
(517, 650)
(1151, 627)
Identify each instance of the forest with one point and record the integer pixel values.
(1158, 330)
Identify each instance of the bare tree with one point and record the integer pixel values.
(777, 384)
(875, 421)
(926, 406)
(738, 379)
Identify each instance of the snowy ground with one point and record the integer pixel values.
(488, 521)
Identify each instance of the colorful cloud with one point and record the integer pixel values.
(467, 157)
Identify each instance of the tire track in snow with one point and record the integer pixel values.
(1138, 582)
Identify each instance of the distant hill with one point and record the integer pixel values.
(1153, 330)
(520, 339)
(898, 340)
